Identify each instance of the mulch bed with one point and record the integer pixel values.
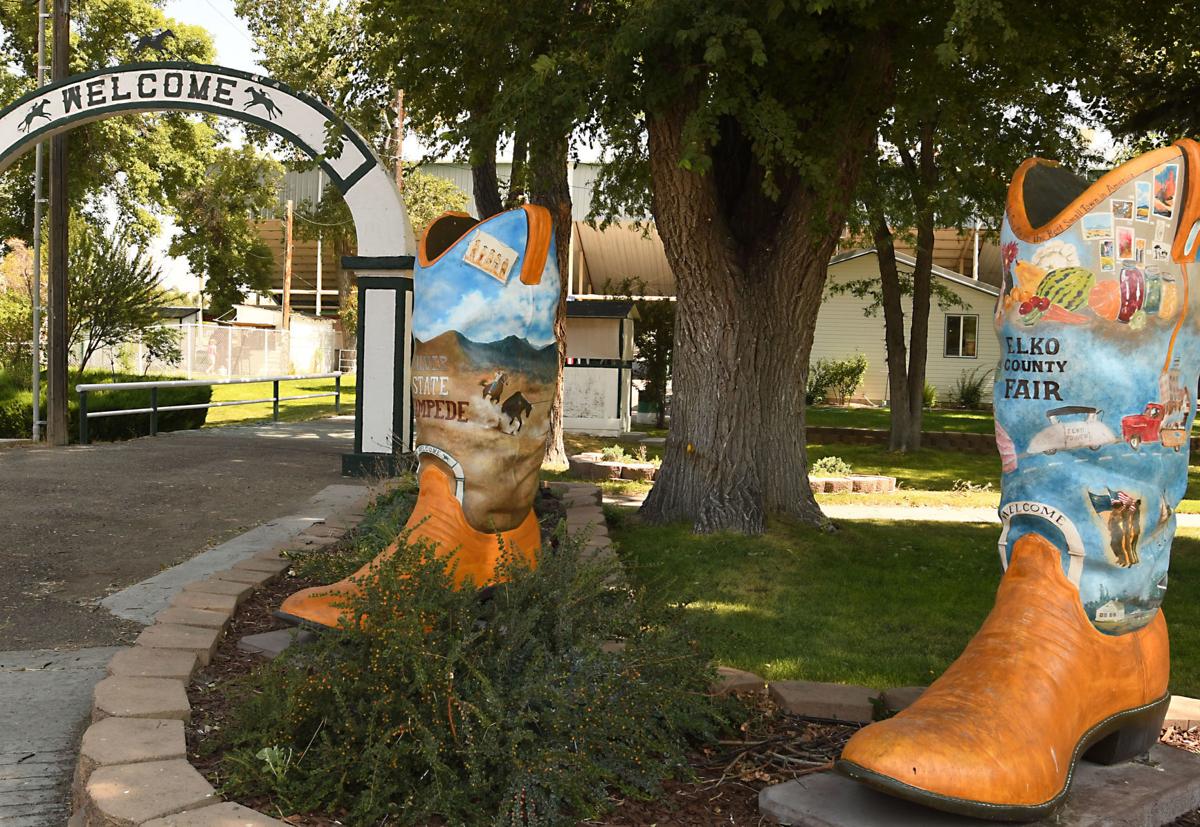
(770, 746)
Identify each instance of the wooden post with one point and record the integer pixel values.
(56, 379)
(287, 268)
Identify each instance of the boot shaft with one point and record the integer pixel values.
(485, 359)
(1094, 393)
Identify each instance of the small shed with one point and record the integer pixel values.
(598, 376)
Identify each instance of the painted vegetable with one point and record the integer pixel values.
(1029, 276)
(1133, 293)
(1067, 287)
(1032, 310)
(1105, 300)
(1057, 313)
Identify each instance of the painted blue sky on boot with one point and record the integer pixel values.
(455, 295)
(1094, 393)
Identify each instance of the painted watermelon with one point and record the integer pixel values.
(1068, 287)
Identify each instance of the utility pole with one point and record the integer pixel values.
(398, 142)
(38, 174)
(287, 269)
(56, 395)
(320, 251)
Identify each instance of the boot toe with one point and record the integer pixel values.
(920, 759)
(320, 606)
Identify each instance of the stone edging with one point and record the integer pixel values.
(853, 484)
(590, 466)
(132, 767)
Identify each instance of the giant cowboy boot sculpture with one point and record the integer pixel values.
(1093, 401)
(485, 364)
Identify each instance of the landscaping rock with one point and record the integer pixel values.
(271, 644)
(825, 700)
(1133, 794)
(1183, 712)
(901, 697)
(275, 566)
(204, 600)
(144, 662)
(128, 741)
(214, 585)
(189, 638)
(184, 616)
(323, 530)
(838, 485)
(247, 576)
(218, 815)
(132, 794)
(736, 682)
(639, 471)
(140, 698)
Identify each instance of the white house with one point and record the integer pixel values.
(1111, 611)
(961, 339)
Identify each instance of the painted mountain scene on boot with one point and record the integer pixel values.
(486, 404)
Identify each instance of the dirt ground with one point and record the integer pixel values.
(79, 523)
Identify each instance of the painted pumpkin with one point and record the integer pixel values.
(1105, 300)
(1133, 293)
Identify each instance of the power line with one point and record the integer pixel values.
(236, 26)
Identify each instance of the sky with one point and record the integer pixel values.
(235, 47)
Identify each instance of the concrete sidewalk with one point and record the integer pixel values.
(97, 538)
(83, 522)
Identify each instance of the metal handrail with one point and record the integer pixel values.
(84, 389)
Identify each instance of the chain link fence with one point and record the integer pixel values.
(213, 350)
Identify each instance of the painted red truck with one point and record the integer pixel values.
(1148, 427)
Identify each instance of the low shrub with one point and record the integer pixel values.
(16, 407)
(969, 388)
(835, 379)
(830, 467)
(614, 453)
(929, 396)
(501, 706)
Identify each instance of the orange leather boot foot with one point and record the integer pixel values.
(1039, 687)
(437, 518)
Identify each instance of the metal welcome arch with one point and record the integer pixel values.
(385, 238)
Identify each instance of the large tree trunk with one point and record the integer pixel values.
(485, 186)
(893, 327)
(550, 188)
(749, 287)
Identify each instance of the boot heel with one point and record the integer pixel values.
(1137, 733)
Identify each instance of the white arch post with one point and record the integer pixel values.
(385, 238)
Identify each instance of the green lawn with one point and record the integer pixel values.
(297, 411)
(876, 603)
(971, 422)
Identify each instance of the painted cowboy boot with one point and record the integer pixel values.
(484, 370)
(1093, 402)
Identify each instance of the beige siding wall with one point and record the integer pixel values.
(842, 329)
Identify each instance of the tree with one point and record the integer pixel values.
(466, 91)
(934, 165)
(133, 164)
(216, 218)
(113, 288)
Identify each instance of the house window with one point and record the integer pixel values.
(961, 334)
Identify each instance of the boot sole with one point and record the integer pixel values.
(1118, 738)
(302, 622)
